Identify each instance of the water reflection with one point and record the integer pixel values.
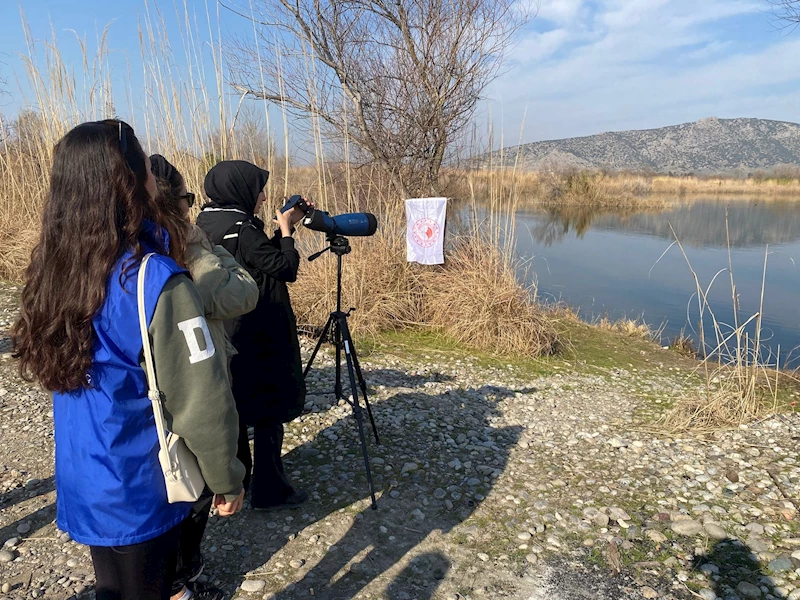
(607, 262)
(553, 224)
(698, 224)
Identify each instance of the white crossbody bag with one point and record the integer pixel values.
(181, 472)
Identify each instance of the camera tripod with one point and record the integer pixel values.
(337, 331)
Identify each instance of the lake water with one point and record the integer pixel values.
(606, 263)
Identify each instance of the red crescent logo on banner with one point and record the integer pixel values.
(425, 232)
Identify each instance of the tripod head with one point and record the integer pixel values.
(338, 245)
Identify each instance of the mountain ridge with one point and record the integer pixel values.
(708, 146)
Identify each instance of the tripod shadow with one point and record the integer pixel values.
(439, 460)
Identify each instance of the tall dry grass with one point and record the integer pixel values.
(22, 173)
(476, 299)
(741, 378)
(778, 187)
(188, 116)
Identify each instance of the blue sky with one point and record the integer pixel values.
(581, 67)
(588, 66)
(66, 19)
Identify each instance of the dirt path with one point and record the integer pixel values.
(493, 483)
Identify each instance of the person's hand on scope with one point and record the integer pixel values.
(294, 215)
(285, 222)
(297, 214)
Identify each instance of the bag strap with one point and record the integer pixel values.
(153, 392)
(230, 240)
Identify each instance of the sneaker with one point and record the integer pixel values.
(205, 592)
(297, 498)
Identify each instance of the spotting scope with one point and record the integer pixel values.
(348, 224)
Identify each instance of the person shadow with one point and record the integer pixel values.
(423, 574)
(734, 569)
(28, 492)
(439, 459)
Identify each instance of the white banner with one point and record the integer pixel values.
(425, 233)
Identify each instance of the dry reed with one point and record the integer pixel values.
(475, 297)
(740, 378)
(587, 188)
(726, 186)
(684, 345)
(636, 328)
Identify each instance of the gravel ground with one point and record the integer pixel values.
(492, 483)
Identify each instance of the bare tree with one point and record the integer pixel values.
(397, 80)
(787, 10)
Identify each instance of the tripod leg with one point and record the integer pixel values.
(362, 384)
(321, 340)
(337, 341)
(357, 410)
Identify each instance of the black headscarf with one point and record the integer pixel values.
(235, 183)
(162, 168)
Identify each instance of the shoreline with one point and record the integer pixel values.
(623, 190)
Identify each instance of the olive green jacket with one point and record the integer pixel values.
(199, 404)
(193, 377)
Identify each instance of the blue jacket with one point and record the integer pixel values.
(109, 483)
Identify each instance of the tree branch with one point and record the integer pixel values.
(401, 79)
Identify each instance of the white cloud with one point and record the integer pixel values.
(559, 11)
(541, 46)
(645, 63)
(709, 50)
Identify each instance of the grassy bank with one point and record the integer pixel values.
(611, 352)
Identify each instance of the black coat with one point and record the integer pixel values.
(267, 372)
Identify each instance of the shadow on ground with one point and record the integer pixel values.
(422, 574)
(439, 460)
(39, 488)
(735, 568)
(34, 520)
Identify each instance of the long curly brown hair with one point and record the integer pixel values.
(94, 211)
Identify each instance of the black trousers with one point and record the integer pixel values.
(191, 536)
(138, 572)
(265, 477)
